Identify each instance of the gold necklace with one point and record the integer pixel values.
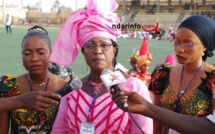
(40, 83)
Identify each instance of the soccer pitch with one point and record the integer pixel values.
(11, 60)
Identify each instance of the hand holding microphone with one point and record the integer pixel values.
(111, 79)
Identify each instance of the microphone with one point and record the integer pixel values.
(115, 87)
(73, 85)
(111, 79)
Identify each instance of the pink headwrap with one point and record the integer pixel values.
(82, 26)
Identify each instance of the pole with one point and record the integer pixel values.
(194, 7)
(158, 7)
(76, 6)
(124, 10)
(158, 10)
(123, 6)
(3, 11)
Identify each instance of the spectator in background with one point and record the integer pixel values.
(143, 62)
(160, 8)
(154, 6)
(133, 2)
(133, 63)
(171, 9)
(171, 31)
(172, 37)
(132, 17)
(143, 6)
(8, 23)
(49, 22)
(170, 59)
(64, 72)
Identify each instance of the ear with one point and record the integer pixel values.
(82, 50)
(114, 50)
(204, 49)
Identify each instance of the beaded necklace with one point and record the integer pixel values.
(40, 83)
(45, 89)
(97, 89)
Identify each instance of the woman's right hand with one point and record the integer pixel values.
(38, 100)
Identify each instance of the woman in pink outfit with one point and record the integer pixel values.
(90, 109)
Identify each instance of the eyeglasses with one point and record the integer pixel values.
(91, 46)
(185, 45)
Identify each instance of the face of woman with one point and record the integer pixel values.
(135, 67)
(35, 55)
(144, 68)
(99, 53)
(188, 47)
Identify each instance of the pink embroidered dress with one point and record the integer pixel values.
(105, 115)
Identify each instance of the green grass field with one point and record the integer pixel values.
(11, 62)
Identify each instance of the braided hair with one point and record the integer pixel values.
(39, 32)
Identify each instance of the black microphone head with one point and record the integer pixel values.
(76, 84)
(106, 71)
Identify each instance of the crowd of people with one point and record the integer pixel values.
(157, 102)
(209, 14)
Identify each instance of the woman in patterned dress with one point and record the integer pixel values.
(187, 88)
(91, 108)
(36, 49)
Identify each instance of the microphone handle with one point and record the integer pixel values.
(65, 90)
(116, 89)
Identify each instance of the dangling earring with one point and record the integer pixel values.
(50, 65)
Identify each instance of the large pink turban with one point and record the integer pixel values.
(82, 26)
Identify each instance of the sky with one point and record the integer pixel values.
(46, 4)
